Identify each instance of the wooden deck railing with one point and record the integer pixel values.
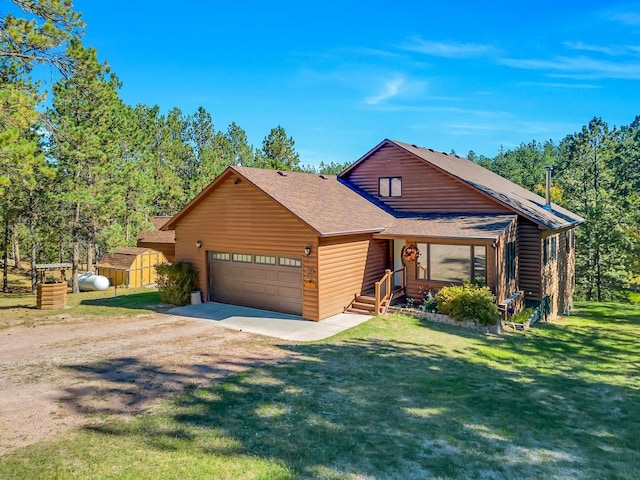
(385, 288)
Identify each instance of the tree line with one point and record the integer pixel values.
(82, 172)
(596, 174)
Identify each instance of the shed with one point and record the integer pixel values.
(131, 267)
(163, 241)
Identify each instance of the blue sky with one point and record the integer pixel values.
(342, 76)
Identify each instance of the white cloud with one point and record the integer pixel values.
(390, 89)
(626, 18)
(577, 67)
(395, 87)
(615, 50)
(448, 49)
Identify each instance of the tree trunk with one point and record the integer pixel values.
(75, 256)
(17, 261)
(5, 258)
(34, 246)
(89, 256)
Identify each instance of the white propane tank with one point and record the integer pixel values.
(88, 282)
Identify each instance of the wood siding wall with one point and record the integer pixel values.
(239, 218)
(141, 272)
(117, 278)
(348, 266)
(503, 287)
(529, 260)
(558, 277)
(425, 189)
(168, 249)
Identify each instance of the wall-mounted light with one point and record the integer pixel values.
(307, 250)
(236, 181)
(198, 244)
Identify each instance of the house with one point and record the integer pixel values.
(130, 267)
(400, 219)
(161, 240)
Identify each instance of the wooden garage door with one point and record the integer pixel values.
(260, 281)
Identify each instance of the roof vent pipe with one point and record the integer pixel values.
(547, 204)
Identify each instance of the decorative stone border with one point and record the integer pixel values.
(446, 319)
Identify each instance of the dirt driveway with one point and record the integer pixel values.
(74, 372)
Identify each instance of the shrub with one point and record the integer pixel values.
(523, 316)
(176, 281)
(468, 302)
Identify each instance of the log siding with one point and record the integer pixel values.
(240, 218)
(425, 189)
(348, 266)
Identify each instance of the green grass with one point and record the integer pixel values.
(634, 297)
(21, 309)
(393, 398)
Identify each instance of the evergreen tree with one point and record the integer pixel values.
(278, 151)
(83, 133)
(589, 183)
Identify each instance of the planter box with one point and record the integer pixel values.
(52, 296)
(524, 326)
(446, 319)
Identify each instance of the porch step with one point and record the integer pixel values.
(364, 304)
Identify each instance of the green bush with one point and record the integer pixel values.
(468, 302)
(522, 317)
(176, 281)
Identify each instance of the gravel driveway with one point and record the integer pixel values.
(61, 376)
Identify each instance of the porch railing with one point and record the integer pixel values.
(390, 282)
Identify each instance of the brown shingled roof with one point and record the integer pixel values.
(478, 227)
(122, 258)
(321, 201)
(156, 235)
(515, 197)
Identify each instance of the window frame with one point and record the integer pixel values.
(292, 262)
(510, 261)
(265, 259)
(425, 249)
(242, 257)
(390, 182)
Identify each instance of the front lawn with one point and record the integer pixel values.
(20, 309)
(393, 398)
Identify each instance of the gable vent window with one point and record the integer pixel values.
(390, 186)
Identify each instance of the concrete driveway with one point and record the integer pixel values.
(272, 324)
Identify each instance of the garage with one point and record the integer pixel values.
(269, 282)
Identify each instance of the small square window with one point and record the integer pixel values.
(390, 186)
